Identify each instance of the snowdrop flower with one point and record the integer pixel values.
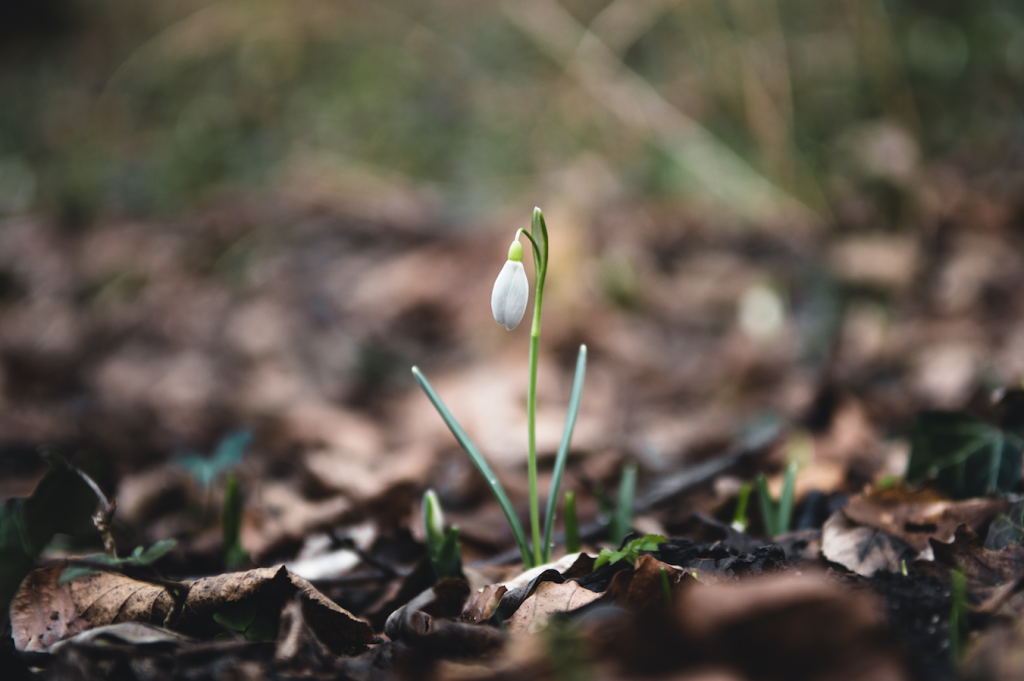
(511, 289)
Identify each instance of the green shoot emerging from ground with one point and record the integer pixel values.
(777, 514)
(442, 546)
(235, 556)
(631, 551)
(509, 299)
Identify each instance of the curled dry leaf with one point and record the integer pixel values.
(901, 514)
(427, 623)
(110, 598)
(481, 605)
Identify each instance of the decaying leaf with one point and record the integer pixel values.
(899, 514)
(548, 598)
(427, 623)
(43, 612)
(992, 576)
(481, 605)
(111, 598)
(641, 589)
(862, 549)
(125, 633)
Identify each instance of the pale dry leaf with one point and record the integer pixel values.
(864, 550)
(549, 598)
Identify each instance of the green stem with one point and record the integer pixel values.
(531, 416)
(540, 261)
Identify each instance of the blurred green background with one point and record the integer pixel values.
(113, 107)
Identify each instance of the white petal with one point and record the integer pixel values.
(517, 295)
(499, 292)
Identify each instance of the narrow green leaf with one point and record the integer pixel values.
(958, 629)
(785, 506)
(73, 572)
(481, 465)
(572, 524)
(739, 518)
(157, 551)
(563, 449)
(769, 512)
(231, 521)
(449, 560)
(624, 504)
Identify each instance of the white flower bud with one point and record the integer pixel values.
(511, 290)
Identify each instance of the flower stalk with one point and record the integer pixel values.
(509, 299)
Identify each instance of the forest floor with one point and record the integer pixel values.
(717, 352)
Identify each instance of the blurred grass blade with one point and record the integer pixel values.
(769, 514)
(563, 449)
(481, 465)
(157, 551)
(572, 525)
(785, 509)
(234, 555)
(624, 507)
(739, 519)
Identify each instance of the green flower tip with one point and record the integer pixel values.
(433, 517)
(515, 251)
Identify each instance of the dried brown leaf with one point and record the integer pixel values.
(548, 598)
(43, 612)
(641, 588)
(481, 605)
(898, 513)
(110, 598)
(864, 550)
(992, 576)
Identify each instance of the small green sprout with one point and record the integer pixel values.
(622, 521)
(235, 556)
(442, 546)
(572, 524)
(740, 522)
(777, 514)
(140, 558)
(509, 299)
(958, 628)
(229, 454)
(631, 551)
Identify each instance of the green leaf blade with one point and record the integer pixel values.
(481, 465)
(563, 448)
